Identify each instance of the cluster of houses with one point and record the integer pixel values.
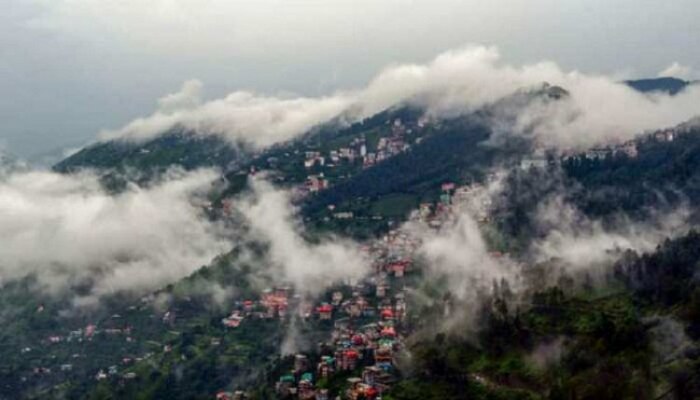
(390, 145)
(362, 345)
(273, 304)
(367, 324)
(357, 150)
(600, 153)
(89, 332)
(395, 142)
(628, 148)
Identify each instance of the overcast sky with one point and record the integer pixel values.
(70, 68)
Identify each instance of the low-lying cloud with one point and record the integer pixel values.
(580, 243)
(677, 70)
(67, 231)
(599, 110)
(310, 266)
(240, 117)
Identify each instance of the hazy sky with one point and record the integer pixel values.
(69, 68)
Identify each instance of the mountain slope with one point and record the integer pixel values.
(177, 147)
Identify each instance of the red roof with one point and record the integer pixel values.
(387, 313)
(223, 396)
(325, 308)
(389, 331)
(351, 353)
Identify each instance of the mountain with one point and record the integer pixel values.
(409, 329)
(668, 85)
(176, 147)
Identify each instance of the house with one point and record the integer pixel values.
(325, 311)
(448, 187)
(382, 356)
(301, 363)
(630, 149)
(90, 330)
(169, 317)
(233, 321)
(666, 136)
(346, 360)
(445, 199)
(316, 183)
(355, 308)
(358, 390)
(398, 268)
(343, 215)
(224, 396)
(239, 395)
(306, 387)
(388, 332)
(285, 386)
(130, 375)
(597, 153)
(400, 312)
(381, 290)
(387, 313)
(528, 163)
(357, 340)
(305, 309)
(326, 367)
(370, 374)
(425, 209)
(346, 152)
(337, 297)
(322, 394)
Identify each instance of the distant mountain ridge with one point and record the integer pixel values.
(668, 85)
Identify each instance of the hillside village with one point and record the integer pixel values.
(368, 325)
(367, 321)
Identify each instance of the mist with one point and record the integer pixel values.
(66, 230)
(599, 110)
(310, 266)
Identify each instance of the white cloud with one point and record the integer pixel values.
(460, 252)
(677, 70)
(579, 243)
(240, 116)
(66, 230)
(310, 267)
(599, 110)
(189, 96)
